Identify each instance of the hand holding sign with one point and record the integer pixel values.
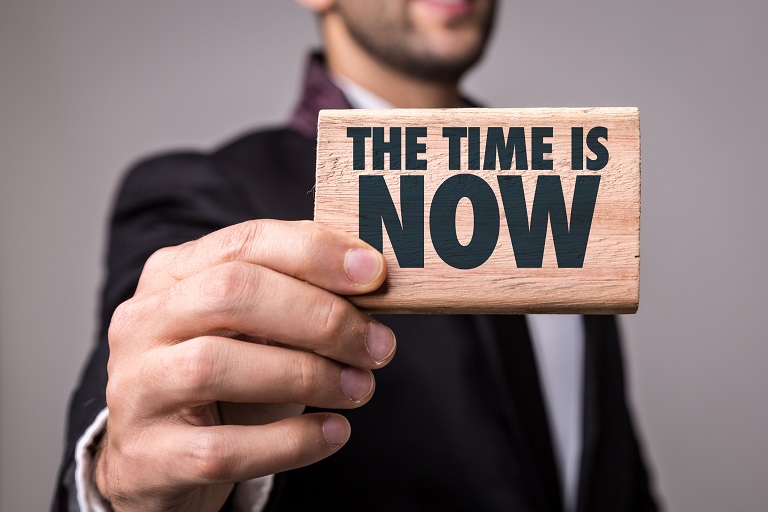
(212, 362)
(489, 210)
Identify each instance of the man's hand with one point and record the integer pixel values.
(213, 359)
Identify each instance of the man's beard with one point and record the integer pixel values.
(397, 43)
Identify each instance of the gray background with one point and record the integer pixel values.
(87, 86)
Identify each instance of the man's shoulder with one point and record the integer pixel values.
(255, 151)
(257, 145)
(270, 169)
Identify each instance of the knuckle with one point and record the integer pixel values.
(317, 240)
(333, 319)
(209, 460)
(124, 316)
(131, 450)
(225, 285)
(310, 371)
(235, 241)
(114, 391)
(125, 387)
(160, 260)
(197, 369)
(131, 318)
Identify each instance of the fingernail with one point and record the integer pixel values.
(335, 430)
(356, 383)
(363, 266)
(380, 341)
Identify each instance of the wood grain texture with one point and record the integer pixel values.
(608, 281)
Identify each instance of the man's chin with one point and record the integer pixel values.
(451, 59)
(457, 44)
(436, 69)
(453, 51)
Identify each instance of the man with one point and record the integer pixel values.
(213, 342)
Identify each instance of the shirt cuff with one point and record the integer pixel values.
(88, 497)
(249, 496)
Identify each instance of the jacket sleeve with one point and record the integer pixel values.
(162, 202)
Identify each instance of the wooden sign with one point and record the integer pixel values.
(489, 210)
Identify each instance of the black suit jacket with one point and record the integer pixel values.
(458, 421)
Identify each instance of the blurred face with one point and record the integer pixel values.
(436, 40)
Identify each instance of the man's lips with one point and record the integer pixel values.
(450, 8)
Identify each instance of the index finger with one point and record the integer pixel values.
(325, 257)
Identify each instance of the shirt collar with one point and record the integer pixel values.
(359, 96)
